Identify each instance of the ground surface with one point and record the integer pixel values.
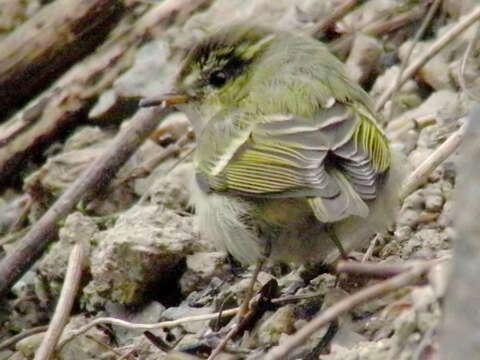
(146, 261)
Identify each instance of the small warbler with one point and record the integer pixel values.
(289, 153)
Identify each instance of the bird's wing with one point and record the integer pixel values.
(333, 159)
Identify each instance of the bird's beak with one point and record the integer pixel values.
(166, 100)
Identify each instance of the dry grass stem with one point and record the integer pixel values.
(382, 270)
(143, 327)
(24, 334)
(463, 65)
(420, 175)
(76, 262)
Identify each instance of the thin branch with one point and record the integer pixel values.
(395, 22)
(218, 349)
(382, 270)
(24, 334)
(436, 47)
(431, 11)
(244, 308)
(127, 354)
(70, 287)
(421, 173)
(95, 177)
(143, 327)
(337, 14)
(463, 65)
(406, 278)
(371, 248)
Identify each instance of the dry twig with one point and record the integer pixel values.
(76, 262)
(24, 334)
(57, 35)
(463, 65)
(419, 176)
(371, 248)
(241, 312)
(382, 270)
(333, 17)
(143, 327)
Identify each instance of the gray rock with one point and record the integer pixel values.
(363, 57)
(142, 248)
(201, 267)
(78, 228)
(274, 325)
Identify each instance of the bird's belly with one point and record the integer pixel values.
(249, 228)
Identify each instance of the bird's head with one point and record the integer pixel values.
(217, 72)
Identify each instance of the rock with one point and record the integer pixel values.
(176, 124)
(363, 57)
(86, 136)
(433, 72)
(446, 217)
(16, 12)
(276, 324)
(29, 345)
(440, 106)
(434, 197)
(201, 267)
(151, 73)
(143, 247)
(366, 350)
(10, 355)
(240, 288)
(456, 9)
(171, 190)
(105, 103)
(407, 97)
(78, 228)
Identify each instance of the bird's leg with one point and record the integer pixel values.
(244, 307)
(333, 236)
(258, 267)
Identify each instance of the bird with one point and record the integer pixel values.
(291, 163)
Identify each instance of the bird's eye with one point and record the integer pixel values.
(217, 78)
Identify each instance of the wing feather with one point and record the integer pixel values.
(333, 159)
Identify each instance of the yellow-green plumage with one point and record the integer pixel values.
(285, 143)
